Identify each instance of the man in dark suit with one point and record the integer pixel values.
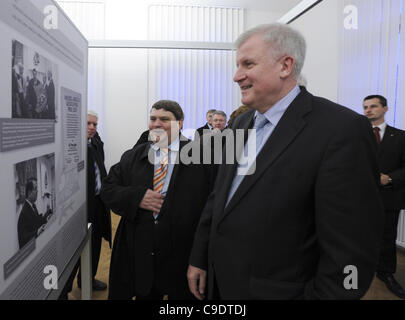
(305, 221)
(50, 95)
(391, 159)
(30, 223)
(159, 197)
(32, 96)
(208, 126)
(97, 212)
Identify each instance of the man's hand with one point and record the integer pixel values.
(384, 179)
(196, 281)
(152, 201)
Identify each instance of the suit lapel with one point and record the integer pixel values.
(386, 140)
(287, 129)
(230, 169)
(149, 164)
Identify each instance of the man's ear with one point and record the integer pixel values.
(287, 66)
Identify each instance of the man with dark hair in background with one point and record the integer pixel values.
(159, 198)
(391, 159)
(30, 223)
(207, 126)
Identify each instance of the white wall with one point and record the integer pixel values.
(126, 70)
(320, 29)
(123, 106)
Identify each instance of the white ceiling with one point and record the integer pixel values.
(279, 6)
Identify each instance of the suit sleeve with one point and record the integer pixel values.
(199, 252)
(121, 197)
(348, 214)
(25, 231)
(398, 176)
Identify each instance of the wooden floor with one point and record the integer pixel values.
(377, 291)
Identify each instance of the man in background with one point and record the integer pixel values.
(218, 121)
(391, 159)
(97, 212)
(208, 126)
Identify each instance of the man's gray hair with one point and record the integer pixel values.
(283, 40)
(92, 113)
(219, 112)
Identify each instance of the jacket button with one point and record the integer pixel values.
(152, 253)
(156, 221)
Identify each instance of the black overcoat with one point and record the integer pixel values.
(146, 250)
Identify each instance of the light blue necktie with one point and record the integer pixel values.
(259, 124)
(97, 174)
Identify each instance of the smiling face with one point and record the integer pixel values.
(261, 77)
(163, 126)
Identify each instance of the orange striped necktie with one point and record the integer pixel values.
(160, 173)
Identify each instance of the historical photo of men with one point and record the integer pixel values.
(35, 196)
(33, 84)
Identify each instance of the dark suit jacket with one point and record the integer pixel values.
(32, 98)
(50, 94)
(145, 252)
(102, 218)
(311, 208)
(391, 159)
(143, 138)
(200, 131)
(29, 222)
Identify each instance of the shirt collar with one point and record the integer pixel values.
(275, 113)
(382, 126)
(174, 146)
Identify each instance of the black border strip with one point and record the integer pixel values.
(303, 12)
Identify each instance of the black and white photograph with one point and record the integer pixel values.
(33, 84)
(35, 197)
